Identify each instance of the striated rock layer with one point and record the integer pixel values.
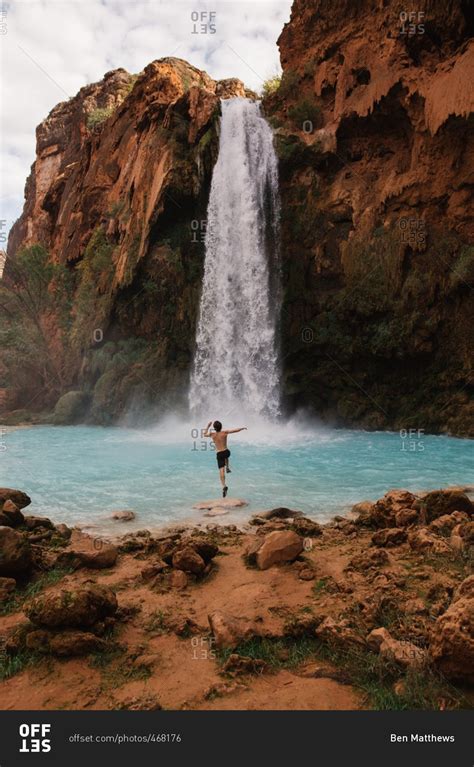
(375, 134)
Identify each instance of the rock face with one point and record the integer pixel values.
(117, 196)
(15, 552)
(376, 150)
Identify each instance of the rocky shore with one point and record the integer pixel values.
(375, 610)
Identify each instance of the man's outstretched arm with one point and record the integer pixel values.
(207, 433)
(234, 431)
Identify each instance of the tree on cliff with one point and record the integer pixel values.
(34, 295)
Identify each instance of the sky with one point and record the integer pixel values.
(51, 48)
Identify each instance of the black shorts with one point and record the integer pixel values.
(222, 456)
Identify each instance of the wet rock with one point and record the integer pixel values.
(32, 523)
(229, 631)
(15, 552)
(84, 551)
(19, 498)
(452, 641)
(440, 502)
(65, 643)
(390, 536)
(220, 503)
(280, 513)
(306, 527)
(123, 516)
(278, 548)
(403, 653)
(11, 514)
(74, 607)
(189, 560)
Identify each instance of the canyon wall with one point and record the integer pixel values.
(374, 130)
(374, 126)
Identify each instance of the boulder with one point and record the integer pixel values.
(11, 514)
(71, 407)
(84, 551)
(306, 527)
(64, 531)
(277, 548)
(189, 560)
(18, 497)
(422, 540)
(401, 652)
(390, 536)
(123, 516)
(280, 513)
(178, 579)
(452, 640)
(75, 607)
(205, 549)
(64, 644)
(32, 523)
(382, 513)
(406, 517)
(444, 524)
(152, 569)
(7, 588)
(229, 631)
(440, 502)
(15, 552)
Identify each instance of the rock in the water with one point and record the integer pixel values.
(440, 502)
(452, 640)
(189, 560)
(217, 512)
(84, 551)
(220, 503)
(277, 548)
(126, 515)
(403, 653)
(280, 513)
(64, 644)
(390, 536)
(74, 607)
(18, 497)
(15, 552)
(229, 631)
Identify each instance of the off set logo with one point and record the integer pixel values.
(35, 738)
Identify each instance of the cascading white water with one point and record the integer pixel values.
(236, 360)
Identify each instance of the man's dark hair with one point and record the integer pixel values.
(217, 425)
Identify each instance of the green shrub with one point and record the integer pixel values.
(98, 116)
(305, 111)
(463, 269)
(271, 85)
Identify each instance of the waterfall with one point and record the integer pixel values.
(236, 366)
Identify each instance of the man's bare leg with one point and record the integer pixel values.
(227, 467)
(222, 476)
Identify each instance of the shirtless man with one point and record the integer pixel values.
(219, 437)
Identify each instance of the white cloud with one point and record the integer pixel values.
(54, 47)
